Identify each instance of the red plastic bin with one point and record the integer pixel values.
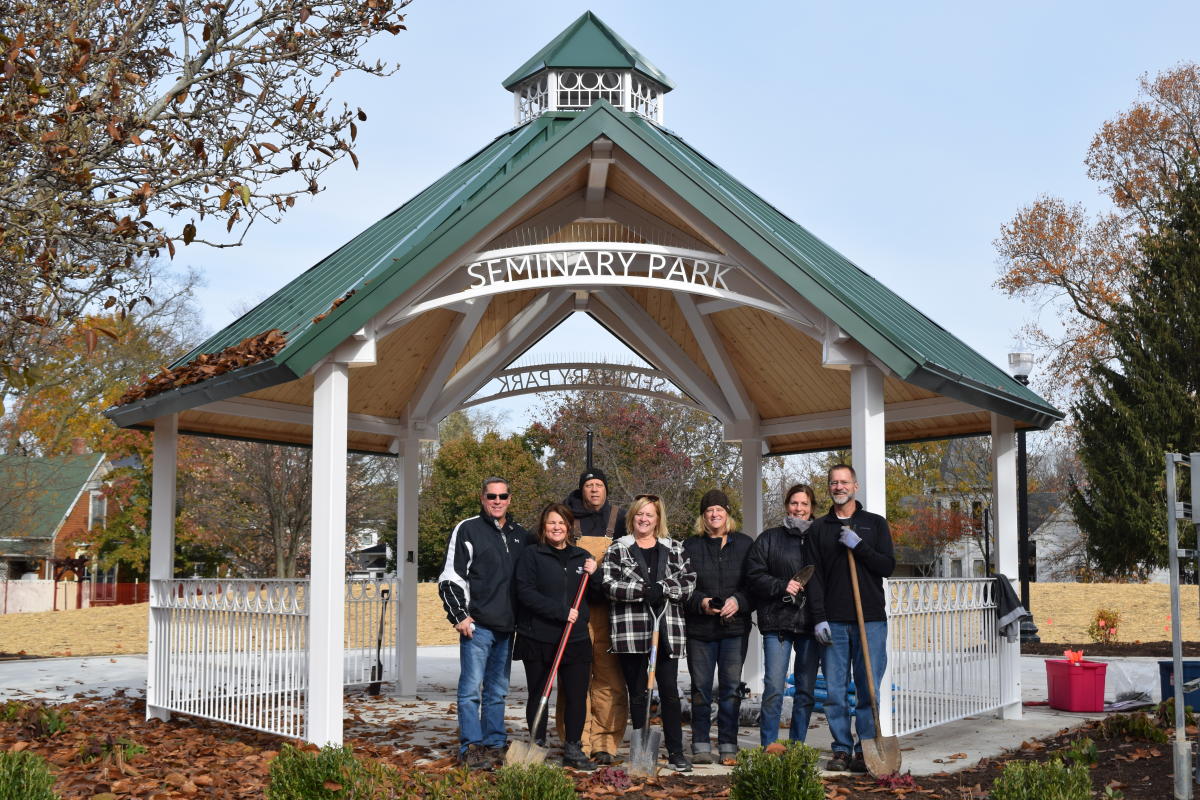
(1075, 688)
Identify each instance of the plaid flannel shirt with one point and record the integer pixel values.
(630, 621)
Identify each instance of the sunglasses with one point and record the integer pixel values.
(653, 498)
(495, 496)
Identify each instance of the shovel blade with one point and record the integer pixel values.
(643, 754)
(882, 755)
(524, 753)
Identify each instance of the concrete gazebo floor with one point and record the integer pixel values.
(428, 721)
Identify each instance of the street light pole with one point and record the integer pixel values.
(1021, 365)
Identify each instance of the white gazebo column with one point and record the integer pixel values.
(327, 582)
(752, 669)
(408, 484)
(1004, 506)
(162, 562)
(866, 436)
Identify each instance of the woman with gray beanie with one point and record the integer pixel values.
(785, 600)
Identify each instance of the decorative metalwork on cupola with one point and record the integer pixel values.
(586, 63)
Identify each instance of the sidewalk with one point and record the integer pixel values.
(427, 720)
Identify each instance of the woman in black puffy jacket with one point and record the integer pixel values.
(547, 579)
(785, 613)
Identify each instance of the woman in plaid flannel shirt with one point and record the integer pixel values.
(645, 573)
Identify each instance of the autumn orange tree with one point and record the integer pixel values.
(129, 127)
(1054, 252)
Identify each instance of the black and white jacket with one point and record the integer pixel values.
(630, 621)
(477, 579)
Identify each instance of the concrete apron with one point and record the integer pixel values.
(428, 721)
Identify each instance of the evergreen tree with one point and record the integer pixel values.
(1144, 402)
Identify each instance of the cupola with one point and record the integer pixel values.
(588, 62)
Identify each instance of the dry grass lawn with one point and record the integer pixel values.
(1062, 612)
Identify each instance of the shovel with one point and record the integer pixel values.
(643, 746)
(530, 752)
(882, 753)
(377, 670)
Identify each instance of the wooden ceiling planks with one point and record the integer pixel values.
(500, 312)
(385, 389)
(663, 309)
(757, 343)
(621, 183)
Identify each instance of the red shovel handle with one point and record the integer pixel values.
(562, 643)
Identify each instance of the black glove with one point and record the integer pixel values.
(653, 594)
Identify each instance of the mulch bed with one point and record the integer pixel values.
(194, 758)
(1110, 650)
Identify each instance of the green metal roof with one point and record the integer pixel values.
(39, 493)
(588, 43)
(389, 257)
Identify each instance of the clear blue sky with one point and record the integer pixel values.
(903, 134)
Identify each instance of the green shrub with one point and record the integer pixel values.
(1164, 714)
(1103, 628)
(1082, 751)
(1133, 726)
(333, 773)
(96, 750)
(791, 774)
(534, 782)
(1051, 780)
(459, 784)
(39, 720)
(25, 776)
(12, 710)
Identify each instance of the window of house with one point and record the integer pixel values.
(977, 568)
(956, 568)
(98, 511)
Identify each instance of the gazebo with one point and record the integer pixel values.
(588, 205)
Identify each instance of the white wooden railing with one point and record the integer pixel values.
(236, 650)
(946, 659)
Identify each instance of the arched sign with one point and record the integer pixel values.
(586, 265)
(579, 375)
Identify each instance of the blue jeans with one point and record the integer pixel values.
(726, 656)
(777, 657)
(484, 663)
(846, 650)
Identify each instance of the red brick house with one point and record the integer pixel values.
(48, 506)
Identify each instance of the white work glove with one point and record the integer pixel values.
(848, 537)
(823, 634)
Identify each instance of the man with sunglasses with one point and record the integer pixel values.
(476, 587)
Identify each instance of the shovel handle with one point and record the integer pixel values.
(562, 643)
(862, 635)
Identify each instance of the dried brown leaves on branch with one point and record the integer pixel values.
(1053, 253)
(131, 127)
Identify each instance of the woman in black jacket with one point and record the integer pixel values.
(718, 625)
(785, 613)
(547, 580)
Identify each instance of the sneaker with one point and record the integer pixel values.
(702, 757)
(574, 758)
(679, 762)
(858, 763)
(839, 763)
(475, 757)
(495, 756)
(602, 757)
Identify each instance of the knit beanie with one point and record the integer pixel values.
(713, 497)
(593, 474)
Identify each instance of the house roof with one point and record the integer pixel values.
(38, 496)
(328, 303)
(587, 43)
